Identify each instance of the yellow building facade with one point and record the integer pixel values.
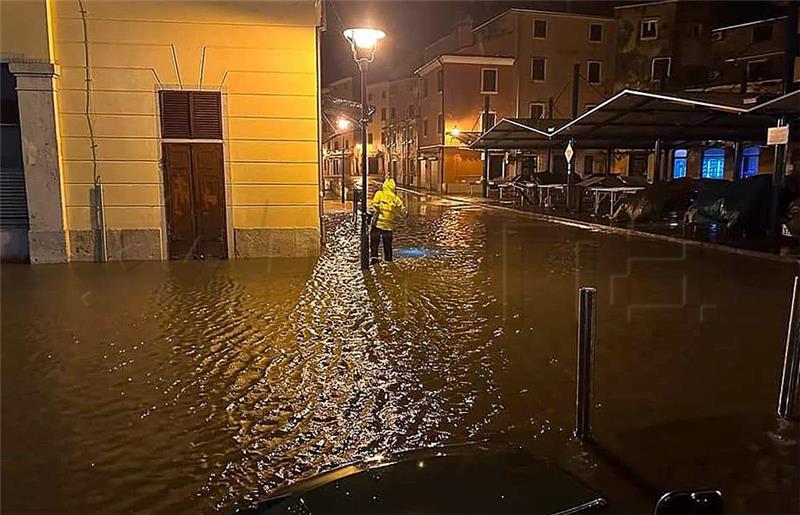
(90, 79)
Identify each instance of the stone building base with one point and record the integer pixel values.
(251, 243)
(121, 244)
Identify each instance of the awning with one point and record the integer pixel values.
(634, 120)
(788, 105)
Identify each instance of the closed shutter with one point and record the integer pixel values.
(206, 115)
(191, 115)
(175, 115)
(13, 201)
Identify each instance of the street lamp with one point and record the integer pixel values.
(364, 42)
(343, 124)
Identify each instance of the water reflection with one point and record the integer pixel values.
(186, 387)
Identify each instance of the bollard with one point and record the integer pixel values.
(791, 359)
(587, 304)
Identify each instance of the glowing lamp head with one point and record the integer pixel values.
(364, 42)
(455, 131)
(342, 124)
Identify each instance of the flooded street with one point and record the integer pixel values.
(185, 387)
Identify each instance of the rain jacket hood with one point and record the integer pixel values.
(386, 205)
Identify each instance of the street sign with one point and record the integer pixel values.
(778, 135)
(568, 153)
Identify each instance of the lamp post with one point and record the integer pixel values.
(343, 124)
(364, 42)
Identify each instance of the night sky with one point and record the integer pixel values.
(411, 25)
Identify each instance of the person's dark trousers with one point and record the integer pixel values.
(379, 234)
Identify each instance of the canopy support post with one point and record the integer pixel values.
(657, 176)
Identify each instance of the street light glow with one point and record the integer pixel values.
(342, 124)
(455, 131)
(363, 37)
(364, 42)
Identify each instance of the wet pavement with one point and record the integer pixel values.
(188, 387)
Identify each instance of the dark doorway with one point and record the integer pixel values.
(638, 165)
(195, 197)
(496, 166)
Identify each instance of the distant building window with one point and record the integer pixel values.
(439, 123)
(596, 32)
(425, 87)
(679, 163)
(369, 139)
(489, 118)
(762, 33)
(750, 161)
(383, 113)
(695, 30)
(660, 68)
(713, 163)
(489, 80)
(538, 68)
(537, 110)
(594, 72)
(649, 29)
(440, 81)
(540, 29)
(425, 127)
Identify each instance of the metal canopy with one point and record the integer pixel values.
(788, 105)
(634, 120)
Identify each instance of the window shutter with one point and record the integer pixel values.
(175, 114)
(206, 115)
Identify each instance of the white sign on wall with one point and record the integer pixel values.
(778, 135)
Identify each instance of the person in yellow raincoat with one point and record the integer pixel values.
(384, 208)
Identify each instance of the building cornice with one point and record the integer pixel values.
(543, 13)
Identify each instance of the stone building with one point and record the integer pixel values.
(156, 130)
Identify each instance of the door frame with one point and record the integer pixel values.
(226, 186)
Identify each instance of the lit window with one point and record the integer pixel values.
(489, 80)
(538, 71)
(713, 163)
(595, 32)
(660, 68)
(649, 29)
(537, 110)
(594, 72)
(750, 161)
(679, 163)
(540, 29)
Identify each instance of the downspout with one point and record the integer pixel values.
(321, 205)
(98, 212)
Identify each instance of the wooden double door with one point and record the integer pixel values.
(194, 180)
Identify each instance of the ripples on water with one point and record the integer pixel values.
(203, 386)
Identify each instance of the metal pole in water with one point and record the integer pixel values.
(587, 321)
(791, 360)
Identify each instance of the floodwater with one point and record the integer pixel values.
(188, 387)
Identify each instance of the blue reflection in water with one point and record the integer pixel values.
(412, 252)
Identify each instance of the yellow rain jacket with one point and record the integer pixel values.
(386, 205)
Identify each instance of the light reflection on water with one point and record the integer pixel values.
(185, 387)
